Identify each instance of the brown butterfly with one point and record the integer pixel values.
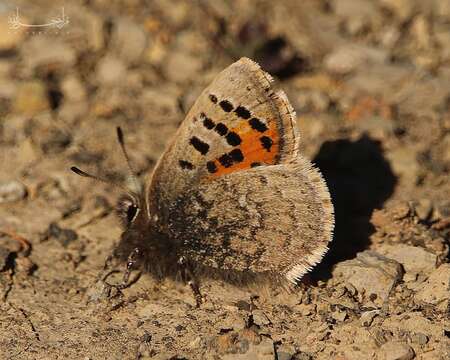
(231, 195)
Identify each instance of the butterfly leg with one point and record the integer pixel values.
(133, 258)
(188, 276)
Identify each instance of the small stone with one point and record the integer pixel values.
(285, 352)
(414, 259)
(100, 291)
(55, 140)
(400, 211)
(348, 58)
(244, 305)
(182, 66)
(110, 70)
(423, 209)
(260, 318)
(403, 9)
(319, 101)
(31, 98)
(63, 236)
(394, 350)
(196, 343)
(11, 191)
(371, 274)
(73, 89)
(363, 12)
(420, 29)
(436, 289)
(404, 163)
(5, 258)
(41, 51)
(304, 356)
(367, 317)
(419, 338)
(24, 265)
(128, 40)
(339, 315)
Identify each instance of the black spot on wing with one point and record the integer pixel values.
(255, 164)
(221, 129)
(211, 166)
(207, 122)
(226, 160)
(266, 142)
(199, 145)
(213, 98)
(236, 155)
(233, 139)
(186, 165)
(242, 112)
(257, 125)
(226, 105)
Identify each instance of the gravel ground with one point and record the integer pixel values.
(370, 82)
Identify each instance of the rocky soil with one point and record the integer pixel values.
(370, 81)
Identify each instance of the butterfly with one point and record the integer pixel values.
(232, 194)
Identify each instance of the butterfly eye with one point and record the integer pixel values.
(132, 212)
(127, 210)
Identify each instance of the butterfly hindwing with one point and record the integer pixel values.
(275, 221)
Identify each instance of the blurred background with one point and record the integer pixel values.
(369, 80)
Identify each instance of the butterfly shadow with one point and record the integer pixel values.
(360, 179)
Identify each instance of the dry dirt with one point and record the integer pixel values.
(370, 81)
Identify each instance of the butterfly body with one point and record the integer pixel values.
(231, 193)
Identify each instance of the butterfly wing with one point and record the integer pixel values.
(232, 190)
(238, 122)
(272, 219)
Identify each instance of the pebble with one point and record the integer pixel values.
(41, 51)
(73, 89)
(414, 259)
(5, 257)
(54, 140)
(339, 315)
(100, 291)
(404, 163)
(31, 98)
(11, 191)
(349, 57)
(110, 70)
(259, 318)
(419, 338)
(367, 317)
(129, 40)
(24, 265)
(371, 274)
(420, 29)
(394, 350)
(182, 66)
(285, 352)
(63, 236)
(262, 351)
(403, 9)
(423, 209)
(436, 289)
(356, 11)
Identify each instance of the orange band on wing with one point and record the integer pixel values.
(256, 148)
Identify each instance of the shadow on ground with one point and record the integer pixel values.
(360, 180)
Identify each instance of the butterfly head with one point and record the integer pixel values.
(132, 202)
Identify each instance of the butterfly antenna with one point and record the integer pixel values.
(121, 140)
(97, 178)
